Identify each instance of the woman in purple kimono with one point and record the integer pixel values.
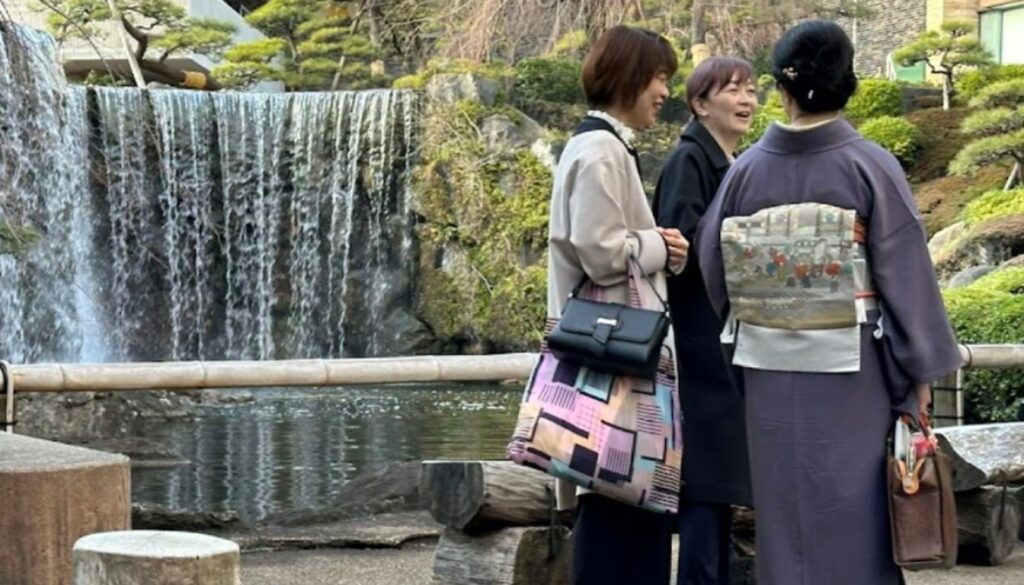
(814, 251)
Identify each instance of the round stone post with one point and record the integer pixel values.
(155, 557)
(50, 496)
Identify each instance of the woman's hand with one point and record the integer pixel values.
(924, 400)
(677, 248)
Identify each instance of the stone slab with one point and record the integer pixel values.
(996, 449)
(52, 495)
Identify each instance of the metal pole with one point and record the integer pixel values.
(115, 13)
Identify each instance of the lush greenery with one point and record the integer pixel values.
(946, 52)
(553, 80)
(991, 310)
(997, 126)
(994, 204)
(309, 44)
(483, 234)
(874, 98)
(973, 81)
(768, 112)
(897, 135)
(161, 29)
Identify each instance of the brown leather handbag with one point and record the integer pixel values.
(922, 509)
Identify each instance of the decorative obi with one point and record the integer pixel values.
(799, 286)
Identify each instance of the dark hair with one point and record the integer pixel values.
(622, 63)
(813, 62)
(713, 74)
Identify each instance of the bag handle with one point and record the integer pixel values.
(632, 283)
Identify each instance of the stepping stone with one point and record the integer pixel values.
(155, 557)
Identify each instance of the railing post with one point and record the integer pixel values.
(948, 400)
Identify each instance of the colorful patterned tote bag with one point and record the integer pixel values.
(617, 436)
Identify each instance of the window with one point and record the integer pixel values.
(1012, 49)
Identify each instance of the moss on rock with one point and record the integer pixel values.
(990, 243)
(483, 233)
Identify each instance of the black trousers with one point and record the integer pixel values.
(705, 544)
(618, 544)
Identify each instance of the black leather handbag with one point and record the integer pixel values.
(611, 337)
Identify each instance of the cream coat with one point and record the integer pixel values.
(599, 216)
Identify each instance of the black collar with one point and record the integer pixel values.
(590, 124)
(696, 132)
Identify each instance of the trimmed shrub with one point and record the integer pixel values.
(994, 204)
(971, 83)
(991, 310)
(875, 98)
(897, 135)
(552, 80)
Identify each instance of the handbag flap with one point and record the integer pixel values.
(583, 317)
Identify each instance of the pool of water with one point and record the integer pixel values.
(293, 449)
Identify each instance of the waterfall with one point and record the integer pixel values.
(185, 225)
(43, 194)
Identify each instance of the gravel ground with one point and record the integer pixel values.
(411, 565)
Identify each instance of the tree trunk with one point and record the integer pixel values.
(467, 495)
(510, 556)
(946, 89)
(988, 523)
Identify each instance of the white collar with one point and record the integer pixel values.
(626, 133)
(791, 128)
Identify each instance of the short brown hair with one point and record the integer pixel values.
(714, 74)
(622, 63)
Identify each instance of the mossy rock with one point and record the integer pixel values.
(942, 201)
(990, 243)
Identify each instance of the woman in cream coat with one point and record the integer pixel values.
(599, 219)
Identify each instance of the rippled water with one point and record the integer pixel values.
(294, 449)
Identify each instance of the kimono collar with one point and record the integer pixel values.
(696, 132)
(626, 134)
(787, 140)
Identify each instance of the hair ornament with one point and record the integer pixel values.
(810, 95)
(790, 72)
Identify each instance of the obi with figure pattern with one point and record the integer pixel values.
(795, 266)
(617, 436)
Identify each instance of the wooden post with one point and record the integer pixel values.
(510, 556)
(468, 495)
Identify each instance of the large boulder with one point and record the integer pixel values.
(502, 133)
(995, 449)
(989, 243)
(451, 88)
(944, 238)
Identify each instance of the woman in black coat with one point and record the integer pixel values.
(722, 97)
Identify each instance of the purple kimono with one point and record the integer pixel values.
(817, 440)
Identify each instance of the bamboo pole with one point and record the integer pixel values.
(232, 374)
(337, 372)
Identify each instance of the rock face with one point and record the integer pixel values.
(996, 449)
(450, 88)
(945, 237)
(56, 494)
(503, 133)
(990, 243)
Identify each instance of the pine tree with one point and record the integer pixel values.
(946, 52)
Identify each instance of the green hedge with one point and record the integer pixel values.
(994, 204)
(552, 80)
(991, 310)
(875, 98)
(897, 135)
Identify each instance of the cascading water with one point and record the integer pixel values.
(184, 225)
(46, 304)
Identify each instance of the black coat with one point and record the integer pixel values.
(714, 435)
